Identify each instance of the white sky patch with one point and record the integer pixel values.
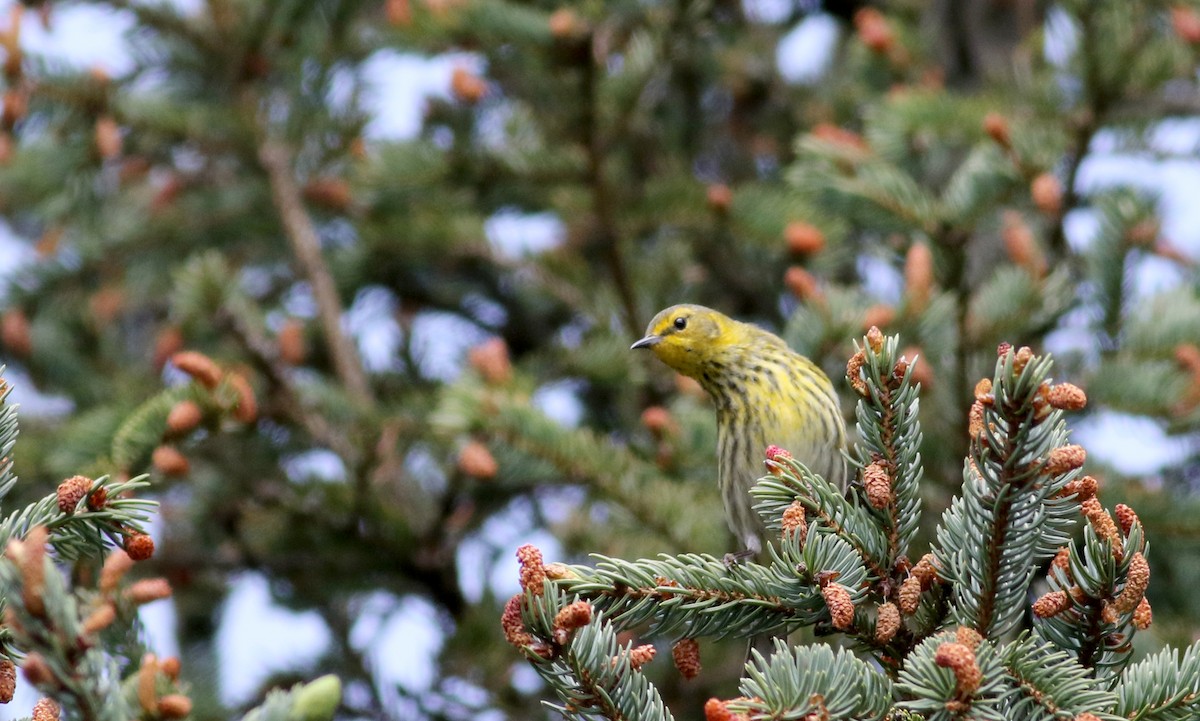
(318, 464)
(804, 54)
(560, 401)
(400, 639)
(1134, 445)
(767, 11)
(514, 234)
(86, 36)
(399, 84)
(256, 637)
(440, 341)
(371, 320)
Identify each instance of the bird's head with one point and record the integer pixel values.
(687, 337)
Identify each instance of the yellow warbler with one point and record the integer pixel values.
(765, 394)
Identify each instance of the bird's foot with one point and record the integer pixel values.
(733, 559)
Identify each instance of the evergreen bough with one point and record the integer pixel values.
(953, 635)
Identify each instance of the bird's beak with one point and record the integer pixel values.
(647, 342)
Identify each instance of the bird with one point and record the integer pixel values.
(765, 394)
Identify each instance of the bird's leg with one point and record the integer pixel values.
(733, 558)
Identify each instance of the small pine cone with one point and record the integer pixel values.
(199, 366)
(15, 332)
(841, 608)
(1051, 604)
(686, 655)
(918, 276)
(36, 670)
(333, 194)
(803, 285)
(875, 339)
(641, 655)
(1143, 615)
(1067, 397)
(878, 315)
(166, 344)
(1126, 518)
(139, 546)
(1003, 349)
(148, 590)
(1062, 559)
(775, 454)
(8, 680)
(968, 637)
(107, 137)
(1086, 716)
(854, 374)
(1102, 523)
(169, 461)
(659, 421)
(719, 197)
(1047, 193)
(513, 626)
(1109, 613)
(1082, 488)
(1021, 245)
(1187, 355)
(887, 623)
(1021, 359)
(983, 392)
(293, 348)
(533, 573)
(794, 523)
(975, 420)
(184, 417)
(467, 86)
(46, 710)
(573, 615)
(490, 359)
(926, 571)
(477, 461)
(878, 485)
(1185, 21)
(910, 595)
(1064, 459)
(246, 408)
(874, 30)
(961, 660)
(174, 706)
(717, 710)
(171, 667)
(99, 619)
(1136, 584)
(115, 567)
(996, 126)
(837, 135)
(803, 238)
(71, 492)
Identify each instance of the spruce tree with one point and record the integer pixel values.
(220, 234)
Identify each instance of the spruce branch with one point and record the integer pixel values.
(696, 595)
(812, 682)
(576, 651)
(889, 437)
(306, 246)
(1017, 467)
(1162, 687)
(856, 526)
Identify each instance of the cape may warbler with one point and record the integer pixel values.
(765, 394)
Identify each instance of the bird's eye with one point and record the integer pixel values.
(680, 323)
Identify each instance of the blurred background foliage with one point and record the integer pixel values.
(436, 327)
